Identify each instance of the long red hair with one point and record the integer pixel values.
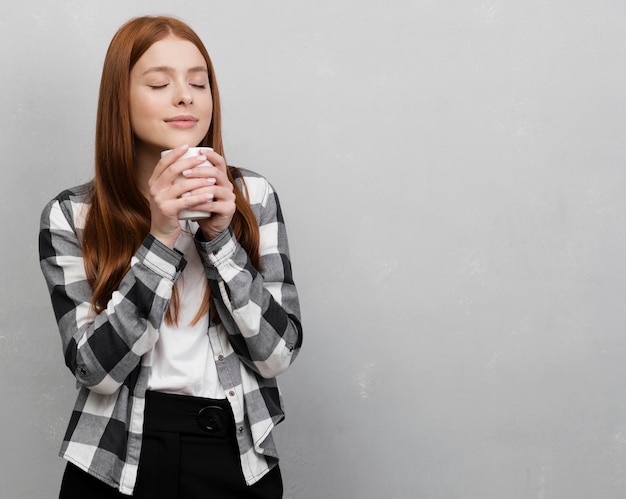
(118, 218)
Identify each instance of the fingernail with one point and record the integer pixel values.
(210, 180)
(184, 147)
(209, 197)
(201, 157)
(186, 172)
(185, 194)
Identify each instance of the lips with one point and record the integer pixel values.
(182, 121)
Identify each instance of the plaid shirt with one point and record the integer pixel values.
(257, 336)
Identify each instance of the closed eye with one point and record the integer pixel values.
(156, 87)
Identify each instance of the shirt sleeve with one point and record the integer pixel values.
(103, 349)
(259, 309)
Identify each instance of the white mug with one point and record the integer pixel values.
(186, 214)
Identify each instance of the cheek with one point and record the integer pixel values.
(207, 105)
(140, 111)
(139, 107)
(204, 110)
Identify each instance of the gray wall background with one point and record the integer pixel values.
(452, 175)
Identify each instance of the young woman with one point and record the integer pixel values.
(175, 330)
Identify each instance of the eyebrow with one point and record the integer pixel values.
(169, 69)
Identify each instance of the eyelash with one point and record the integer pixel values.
(158, 87)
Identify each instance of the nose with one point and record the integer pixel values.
(183, 96)
(185, 100)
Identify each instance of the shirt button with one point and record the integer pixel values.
(220, 358)
(231, 393)
(240, 429)
(82, 371)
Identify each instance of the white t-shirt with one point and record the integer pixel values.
(182, 359)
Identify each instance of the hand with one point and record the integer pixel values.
(167, 197)
(222, 206)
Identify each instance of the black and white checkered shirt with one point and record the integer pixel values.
(257, 336)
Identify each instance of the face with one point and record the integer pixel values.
(170, 97)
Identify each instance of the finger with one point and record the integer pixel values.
(200, 202)
(168, 159)
(203, 170)
(191, 167)
(173, 165)
(195, 186)
(219, 201)
(216, 160)
(219, 193)
(220, 206)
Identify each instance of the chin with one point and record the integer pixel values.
(173, 144)
(191, 141)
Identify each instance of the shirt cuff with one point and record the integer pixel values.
(165, 261)
(218, 250)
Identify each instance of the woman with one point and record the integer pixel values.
(175, 330)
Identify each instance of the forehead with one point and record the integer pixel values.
(172, 52)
